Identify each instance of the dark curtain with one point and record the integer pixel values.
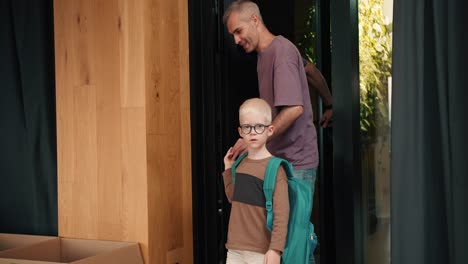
(28, 174)
(429, 132)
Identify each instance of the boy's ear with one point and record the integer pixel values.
(271, 130)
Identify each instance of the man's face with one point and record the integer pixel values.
(244, 31)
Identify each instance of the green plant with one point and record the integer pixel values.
(375, 65)
(306, 44)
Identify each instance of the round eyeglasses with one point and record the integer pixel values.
(258, 128)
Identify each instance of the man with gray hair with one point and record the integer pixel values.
(283, 84)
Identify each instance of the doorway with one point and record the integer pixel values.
(222, 76)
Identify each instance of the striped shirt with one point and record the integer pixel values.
(247, 223)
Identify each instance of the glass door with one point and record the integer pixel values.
(375, 64)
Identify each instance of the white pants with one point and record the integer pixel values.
(244, 257)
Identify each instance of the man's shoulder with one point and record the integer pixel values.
(283, 39)
(284, 48)
(284, 42)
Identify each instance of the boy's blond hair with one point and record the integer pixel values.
(256, 105)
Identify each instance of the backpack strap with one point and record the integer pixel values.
(234, 166)
(269, 184)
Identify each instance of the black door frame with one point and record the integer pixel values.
(208, 220)
(347, 182)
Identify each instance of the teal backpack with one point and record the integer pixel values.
(301, 238)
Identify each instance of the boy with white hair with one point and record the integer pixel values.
(249, 240)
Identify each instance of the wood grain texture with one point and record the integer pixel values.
(186, 150)
(123, 124)
(168, 120)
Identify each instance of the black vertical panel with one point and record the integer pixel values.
(28, 173)
(325, 179)
(278, 16)
(222, 76)
(346, 134)
(205, 115)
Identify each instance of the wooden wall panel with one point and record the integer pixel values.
(186, 150)
(168, 120)
(132, 72)
(134, 176)
(123, 124)
(76, 118)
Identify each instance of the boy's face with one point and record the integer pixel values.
(254, 139)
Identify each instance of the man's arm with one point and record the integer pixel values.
(285, 118)
(239, 148)
(316, 80)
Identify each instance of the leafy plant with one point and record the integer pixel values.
(375, 66)
(375, 62)
(307, 43)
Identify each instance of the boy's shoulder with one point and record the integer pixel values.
(244, 162)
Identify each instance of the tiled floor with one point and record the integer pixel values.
(378, 248)
(378, 251)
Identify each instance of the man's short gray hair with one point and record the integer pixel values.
(244, 7)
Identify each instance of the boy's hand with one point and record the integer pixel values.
(229, 159)
(272, 257)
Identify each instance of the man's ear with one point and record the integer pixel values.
(255, 19)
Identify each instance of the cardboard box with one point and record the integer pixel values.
(11, 241)
(76, 251)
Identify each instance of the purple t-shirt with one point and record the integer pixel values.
(282, 82)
